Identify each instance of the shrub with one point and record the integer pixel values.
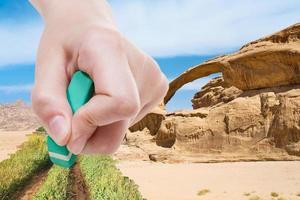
(56, 185)
(16, 171)
(105, 181)
(40, 130)
(203, 192)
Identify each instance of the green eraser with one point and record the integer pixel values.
(80, 91)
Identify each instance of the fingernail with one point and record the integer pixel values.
(77, 146)
(58, 128)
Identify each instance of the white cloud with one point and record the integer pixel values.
(172, 27)
(19, 43)
(169, 27)
(11, 89)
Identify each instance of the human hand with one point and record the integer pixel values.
(81, 35)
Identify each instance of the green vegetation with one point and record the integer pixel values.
(26, 162)
(274, 194)
(56, 185)
(40, 130)
(281, 198)
(105, 181)
(255, 198)
(247, 194)
(203, 192)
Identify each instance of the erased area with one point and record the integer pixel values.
(223, 180)
(9, 142)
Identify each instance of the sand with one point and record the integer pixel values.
(233, 181)
(9, 142)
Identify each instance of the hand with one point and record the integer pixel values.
(128, 83)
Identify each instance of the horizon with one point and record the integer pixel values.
(178, 34)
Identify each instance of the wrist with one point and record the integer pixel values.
(76, 10)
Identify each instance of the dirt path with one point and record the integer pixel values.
(32, 187)
(9, 142)
(214, 181)
(79, 190)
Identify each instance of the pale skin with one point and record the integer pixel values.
(82, 35)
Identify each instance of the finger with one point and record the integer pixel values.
(116, 95)
(49, 99)
(152, 87)
(106, 139)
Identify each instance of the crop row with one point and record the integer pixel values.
(15, 172)
(105, 181)
(101, 178)
(56, 186)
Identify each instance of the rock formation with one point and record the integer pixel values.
(252, 112)
(253, 122)
(17, 116)
(268, 62)
(152, 121)
(215, 92)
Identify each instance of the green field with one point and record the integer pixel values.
(23, 165)
(105, 181)
(94, 177)
(56, 185)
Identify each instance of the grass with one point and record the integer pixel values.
(274, 194)
(203, 192)
(16, 171)
(105, 181)
(56, 185)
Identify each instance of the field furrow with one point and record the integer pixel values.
(17, 172)
(79, 190)
(33, 186)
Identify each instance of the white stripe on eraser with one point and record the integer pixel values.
(60, 157)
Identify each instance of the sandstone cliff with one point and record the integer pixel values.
(252, 112)
(260, 121)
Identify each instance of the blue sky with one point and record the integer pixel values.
(178, 33)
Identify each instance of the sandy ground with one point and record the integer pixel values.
(232, 181)
(9, 142)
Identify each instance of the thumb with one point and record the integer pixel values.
(49, 100)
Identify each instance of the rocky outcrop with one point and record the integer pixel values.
(151, 121)
(268, 62)
(214, 93)
(17, 116)
(261, 124)
(251, 112)
(253, 122)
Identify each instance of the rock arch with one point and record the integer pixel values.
(271, 61)
(190, 75)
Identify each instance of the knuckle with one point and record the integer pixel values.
(114, 40)
(86, 116)
(108, 38)
(161, 84)
(164, 86)
(127, 107)
(111, 41)
(39, 99)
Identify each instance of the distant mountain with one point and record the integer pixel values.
(17, 116)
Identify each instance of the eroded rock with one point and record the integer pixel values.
(268, 62)
(253, 122)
